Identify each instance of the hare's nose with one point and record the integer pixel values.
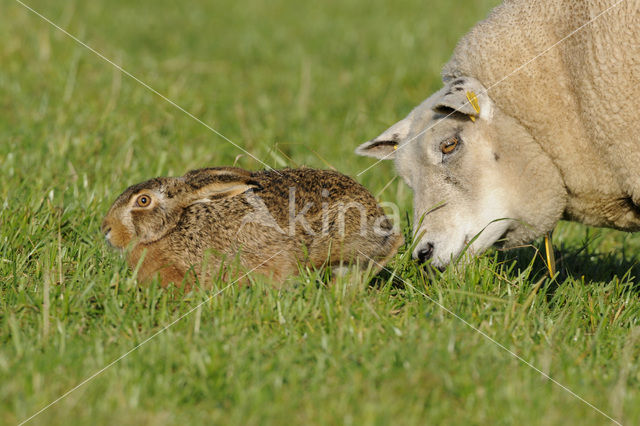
(105, 227)
(106, 231)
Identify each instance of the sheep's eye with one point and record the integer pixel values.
(143, 200)
(449, 145)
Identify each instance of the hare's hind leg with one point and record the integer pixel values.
(367, 256)
(389, 250)
(373, 252)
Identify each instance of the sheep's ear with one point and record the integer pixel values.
(205, 185)
(466, 95)
(384, 146)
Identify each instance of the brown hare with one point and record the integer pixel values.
(268, 221)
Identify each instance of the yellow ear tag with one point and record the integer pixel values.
(551, 259)
(473, 100)
(395, 147)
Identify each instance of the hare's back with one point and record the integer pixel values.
(308, 184)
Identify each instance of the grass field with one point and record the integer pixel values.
(294, 83)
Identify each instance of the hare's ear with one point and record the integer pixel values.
(217, 183)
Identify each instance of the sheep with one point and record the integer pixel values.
(536, 122)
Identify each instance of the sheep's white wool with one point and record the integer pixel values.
(557, 138)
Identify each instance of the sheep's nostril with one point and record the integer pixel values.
(425, 253)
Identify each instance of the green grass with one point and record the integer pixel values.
(295, 84)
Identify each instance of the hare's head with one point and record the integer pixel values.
(146, 212)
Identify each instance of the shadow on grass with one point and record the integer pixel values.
(579, 263)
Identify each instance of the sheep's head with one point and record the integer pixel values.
(477, 176)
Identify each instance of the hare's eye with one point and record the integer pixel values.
(449, 145)
(143, 200)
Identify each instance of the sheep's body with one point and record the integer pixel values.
(536, 122)
(270, 222)
(578, 99)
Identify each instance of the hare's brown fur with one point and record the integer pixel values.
(204, 220)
